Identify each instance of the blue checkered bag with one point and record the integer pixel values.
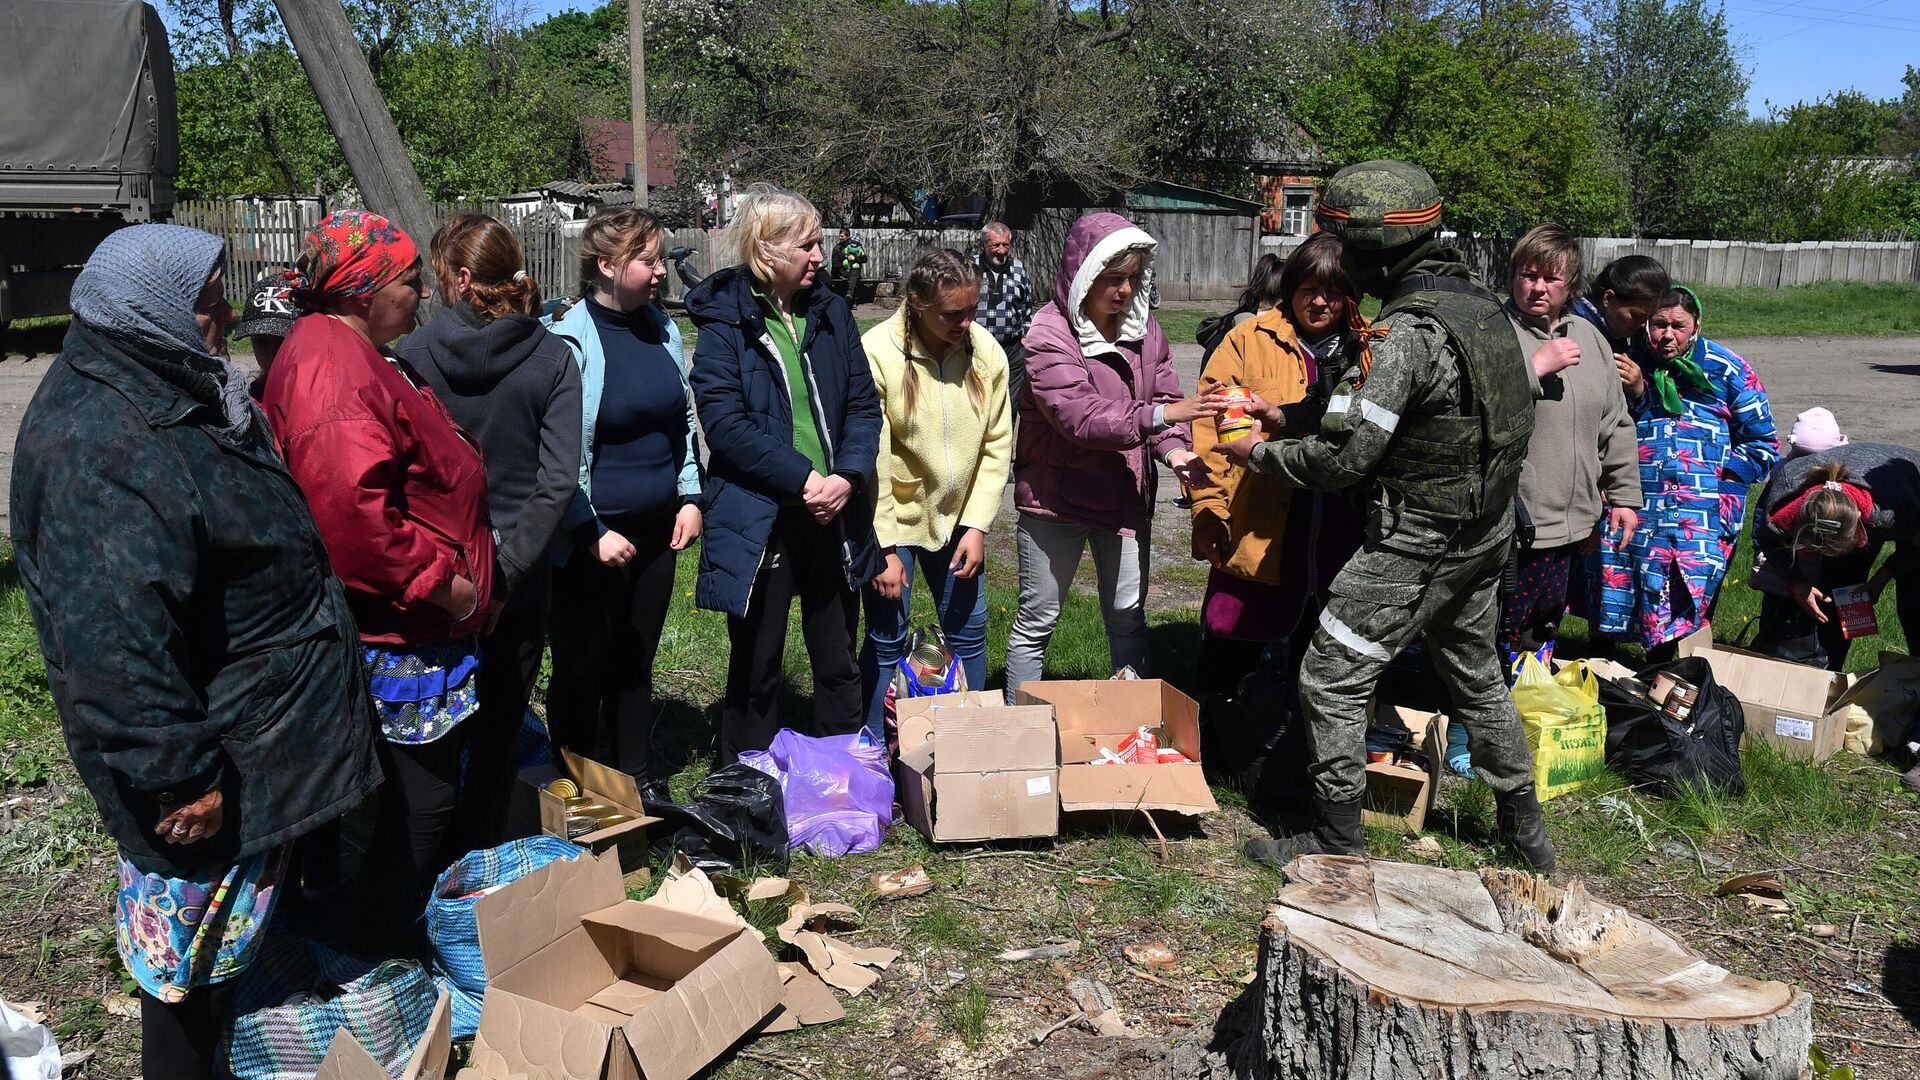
(457, 967)
(386, 1007)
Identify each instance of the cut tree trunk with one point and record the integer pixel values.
(1394, 971)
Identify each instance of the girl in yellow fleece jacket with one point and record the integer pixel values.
(946, 441)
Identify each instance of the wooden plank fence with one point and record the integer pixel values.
(1203, 257)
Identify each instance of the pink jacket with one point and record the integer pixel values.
(1086, 418)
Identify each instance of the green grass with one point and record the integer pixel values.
(1839, 309)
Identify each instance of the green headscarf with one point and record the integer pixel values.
(1669, 372)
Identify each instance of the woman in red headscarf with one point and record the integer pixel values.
(400, 497)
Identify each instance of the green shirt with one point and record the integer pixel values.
(806, 430)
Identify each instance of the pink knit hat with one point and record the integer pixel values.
(1816, 430)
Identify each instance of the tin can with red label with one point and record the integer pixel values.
(1857, 619)
(1236, 421)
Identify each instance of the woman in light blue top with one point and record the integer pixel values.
(638, 504)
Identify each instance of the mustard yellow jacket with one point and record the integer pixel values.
(1264, 355)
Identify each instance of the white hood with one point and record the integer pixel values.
(1134, 326)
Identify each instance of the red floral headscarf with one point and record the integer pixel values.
(350, 253)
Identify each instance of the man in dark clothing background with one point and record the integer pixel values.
(848, 266)
(1006, 304)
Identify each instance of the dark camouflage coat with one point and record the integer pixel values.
(195, 636)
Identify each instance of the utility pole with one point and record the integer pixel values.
(637, 76)
(324, 41)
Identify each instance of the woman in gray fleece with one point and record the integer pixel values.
(1583, 465)
(1823, 521)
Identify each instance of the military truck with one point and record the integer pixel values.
(88, 139)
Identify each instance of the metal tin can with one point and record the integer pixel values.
(611, 820)
(1635, 687)
(580, 826)
(596, 810)
(1662, 686)
(1235, 422)
(576, 803)
(563, 787)
(1680, 701)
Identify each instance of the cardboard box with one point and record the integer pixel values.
(975, 768)
(583, 983)
(1399, 798)
(1100, 712)
(535, 809)
(1795, 707)
(347, 1060)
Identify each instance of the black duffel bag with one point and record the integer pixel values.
(1653, 749)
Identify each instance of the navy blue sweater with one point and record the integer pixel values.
(642, 422)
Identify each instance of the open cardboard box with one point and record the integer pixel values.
(347, 1060)
(582, 983)
(1399, 798)
(972, 767)
(1795, 707)
(535, 809)
(1093, 713)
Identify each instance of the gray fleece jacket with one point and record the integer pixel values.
(1584, 449)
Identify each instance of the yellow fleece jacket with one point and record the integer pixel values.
(944, 463)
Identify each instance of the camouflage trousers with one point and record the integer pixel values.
(1383, 600)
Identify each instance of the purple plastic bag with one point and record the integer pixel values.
(838, 792)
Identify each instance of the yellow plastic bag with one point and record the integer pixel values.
(1565, 724)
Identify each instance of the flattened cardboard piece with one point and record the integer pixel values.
(1093, 713)
(1400, 798)
(873, 956)
(807, 998)
(693, 892)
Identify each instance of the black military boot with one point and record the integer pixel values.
(1276, 852)
(1339, 830)
(1522, 826)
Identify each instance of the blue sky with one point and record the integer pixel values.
(1793, 50)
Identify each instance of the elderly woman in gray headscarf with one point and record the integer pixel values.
(199, 652)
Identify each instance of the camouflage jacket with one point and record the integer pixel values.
(195, 636)
(1414, 371)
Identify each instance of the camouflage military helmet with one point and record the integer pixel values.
(1380, 204)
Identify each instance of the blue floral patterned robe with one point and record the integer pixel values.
(1695, 470)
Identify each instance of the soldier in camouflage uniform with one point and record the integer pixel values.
(1433, 432)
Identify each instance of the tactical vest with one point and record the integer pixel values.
(1457, 466)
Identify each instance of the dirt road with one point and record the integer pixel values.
(1871, 384)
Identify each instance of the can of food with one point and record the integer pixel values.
(611, 820)
(1635, 687)
(1662, 686)
(580, 826)
(595, 810)
(563, 787)
(1236, 422)
(575, 803)
(1680, 701)
(929, 664)
(1380, 757)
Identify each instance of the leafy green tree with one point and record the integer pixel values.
(1668, 85)
(1491, 105)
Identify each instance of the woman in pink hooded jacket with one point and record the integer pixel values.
(1102, 406)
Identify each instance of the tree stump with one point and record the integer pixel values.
(1394, 971)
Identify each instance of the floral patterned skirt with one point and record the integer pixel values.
(420, 693)
(179, 933)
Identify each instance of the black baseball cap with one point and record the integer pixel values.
(269, 309)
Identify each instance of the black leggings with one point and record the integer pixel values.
(605, 635)
(181, 1041)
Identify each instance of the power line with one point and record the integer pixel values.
(1790, 10)
(1832, 18)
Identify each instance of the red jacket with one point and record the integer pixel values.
(399, 493)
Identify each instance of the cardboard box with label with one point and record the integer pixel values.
(535, 809)
(974, 768)
(1399, 797)
(1094, 714)
(584, 983)
(1797, 708)
(347, 1060)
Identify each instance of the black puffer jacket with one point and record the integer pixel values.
(194, 633)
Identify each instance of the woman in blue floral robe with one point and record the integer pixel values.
(1706, 435)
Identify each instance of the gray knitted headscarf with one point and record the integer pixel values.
(139, 288)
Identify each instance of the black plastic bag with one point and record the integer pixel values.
(1649, 747)
(736, 819)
